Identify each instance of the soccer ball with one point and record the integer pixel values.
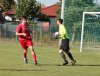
(56, 34)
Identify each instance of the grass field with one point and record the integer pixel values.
(11, 62)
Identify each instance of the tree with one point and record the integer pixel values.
(73, 14)
(29, 8)
(7, 4)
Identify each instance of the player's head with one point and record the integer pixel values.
(59, 21)
(24, 19)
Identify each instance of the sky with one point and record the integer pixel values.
(51, 2)
(98, 2)
(48, 2)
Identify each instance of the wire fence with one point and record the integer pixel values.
(7, 30)
(43, 36)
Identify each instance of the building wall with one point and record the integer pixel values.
(53, 27)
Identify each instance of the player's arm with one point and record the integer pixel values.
(59, 34)
(20, 34)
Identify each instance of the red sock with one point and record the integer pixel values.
(25, 56)
(34, 57)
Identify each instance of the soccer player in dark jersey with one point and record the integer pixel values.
(64, 46)
(23, 32)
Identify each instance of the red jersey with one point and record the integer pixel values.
(23, 28)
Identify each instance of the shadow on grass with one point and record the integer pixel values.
(20, 70)
(90, 65)
(68, 65)
(48, 65)
(87, 65)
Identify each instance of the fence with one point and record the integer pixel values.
(7, 30)
(43, 35)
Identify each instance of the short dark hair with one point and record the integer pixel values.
(60, 20)
(24, 17)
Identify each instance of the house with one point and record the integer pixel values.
(51, 12)
(9, 15)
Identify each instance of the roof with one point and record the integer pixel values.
(50, 10)
(43, 6)
(9, 12)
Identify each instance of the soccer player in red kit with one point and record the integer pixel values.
(23, 32)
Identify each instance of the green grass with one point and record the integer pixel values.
(11, 62)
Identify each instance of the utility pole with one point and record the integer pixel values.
(62, 9)
(62, 14)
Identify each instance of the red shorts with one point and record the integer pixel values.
(25, 43)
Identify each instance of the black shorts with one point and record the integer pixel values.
(65, 45)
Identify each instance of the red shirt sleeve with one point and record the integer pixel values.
(18, 28)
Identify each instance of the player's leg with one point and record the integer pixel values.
(23, 45)
(71, 57)
(33, 55)
(25, 56)
(63, 57)
(30, 45)
(66, 49)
